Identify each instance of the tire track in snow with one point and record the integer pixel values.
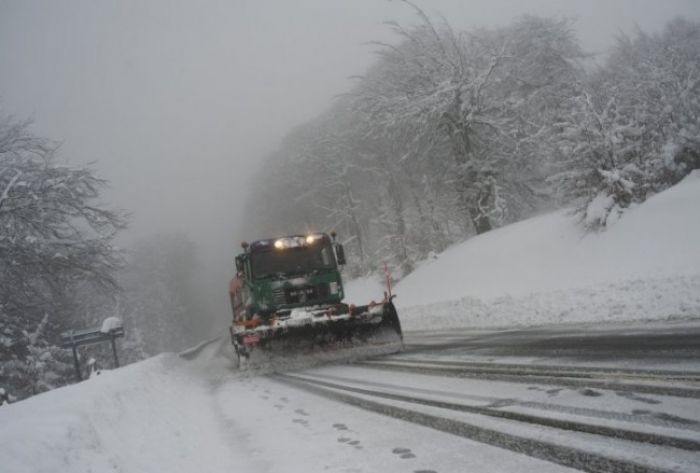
(556, 370)
(623, 434)
(556, 379)
(647, 417)
(559, 454)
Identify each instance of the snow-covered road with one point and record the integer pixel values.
(631, 412)
(622, 398)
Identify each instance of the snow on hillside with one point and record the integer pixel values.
(546, 269)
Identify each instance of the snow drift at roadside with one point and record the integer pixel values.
(547, 269)
(142, 417)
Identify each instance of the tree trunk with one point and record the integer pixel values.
(354, 222)
(481, 222)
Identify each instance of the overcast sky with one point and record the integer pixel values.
(176, 101)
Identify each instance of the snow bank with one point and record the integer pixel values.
(111, 323)
(151, 416)
(642, 299)
(546, 269)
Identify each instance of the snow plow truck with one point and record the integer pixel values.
(287, 300)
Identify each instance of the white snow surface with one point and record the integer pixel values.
(547, 269)
(146, 417)
(170, 415)
(167, 414)
(111, 323)
(363, 290)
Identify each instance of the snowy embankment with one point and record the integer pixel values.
(195, 414)
(547, 269)
(149, 416)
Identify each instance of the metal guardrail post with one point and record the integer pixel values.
(114, 351)
(76, 363)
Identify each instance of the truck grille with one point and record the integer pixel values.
(279, 297)
(300, 295)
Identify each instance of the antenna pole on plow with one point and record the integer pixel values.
(387, 276)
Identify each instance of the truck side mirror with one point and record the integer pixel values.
(340, 254)
(239, 264)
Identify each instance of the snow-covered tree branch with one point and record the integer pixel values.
(54, 237)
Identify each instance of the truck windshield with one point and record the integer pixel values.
(291, 261)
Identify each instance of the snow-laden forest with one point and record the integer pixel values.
(451, 133)
(60, 269)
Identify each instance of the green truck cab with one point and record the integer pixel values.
(274, 276)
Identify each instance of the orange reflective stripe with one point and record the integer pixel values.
(247, 323)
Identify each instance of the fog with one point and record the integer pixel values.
(177, 102)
